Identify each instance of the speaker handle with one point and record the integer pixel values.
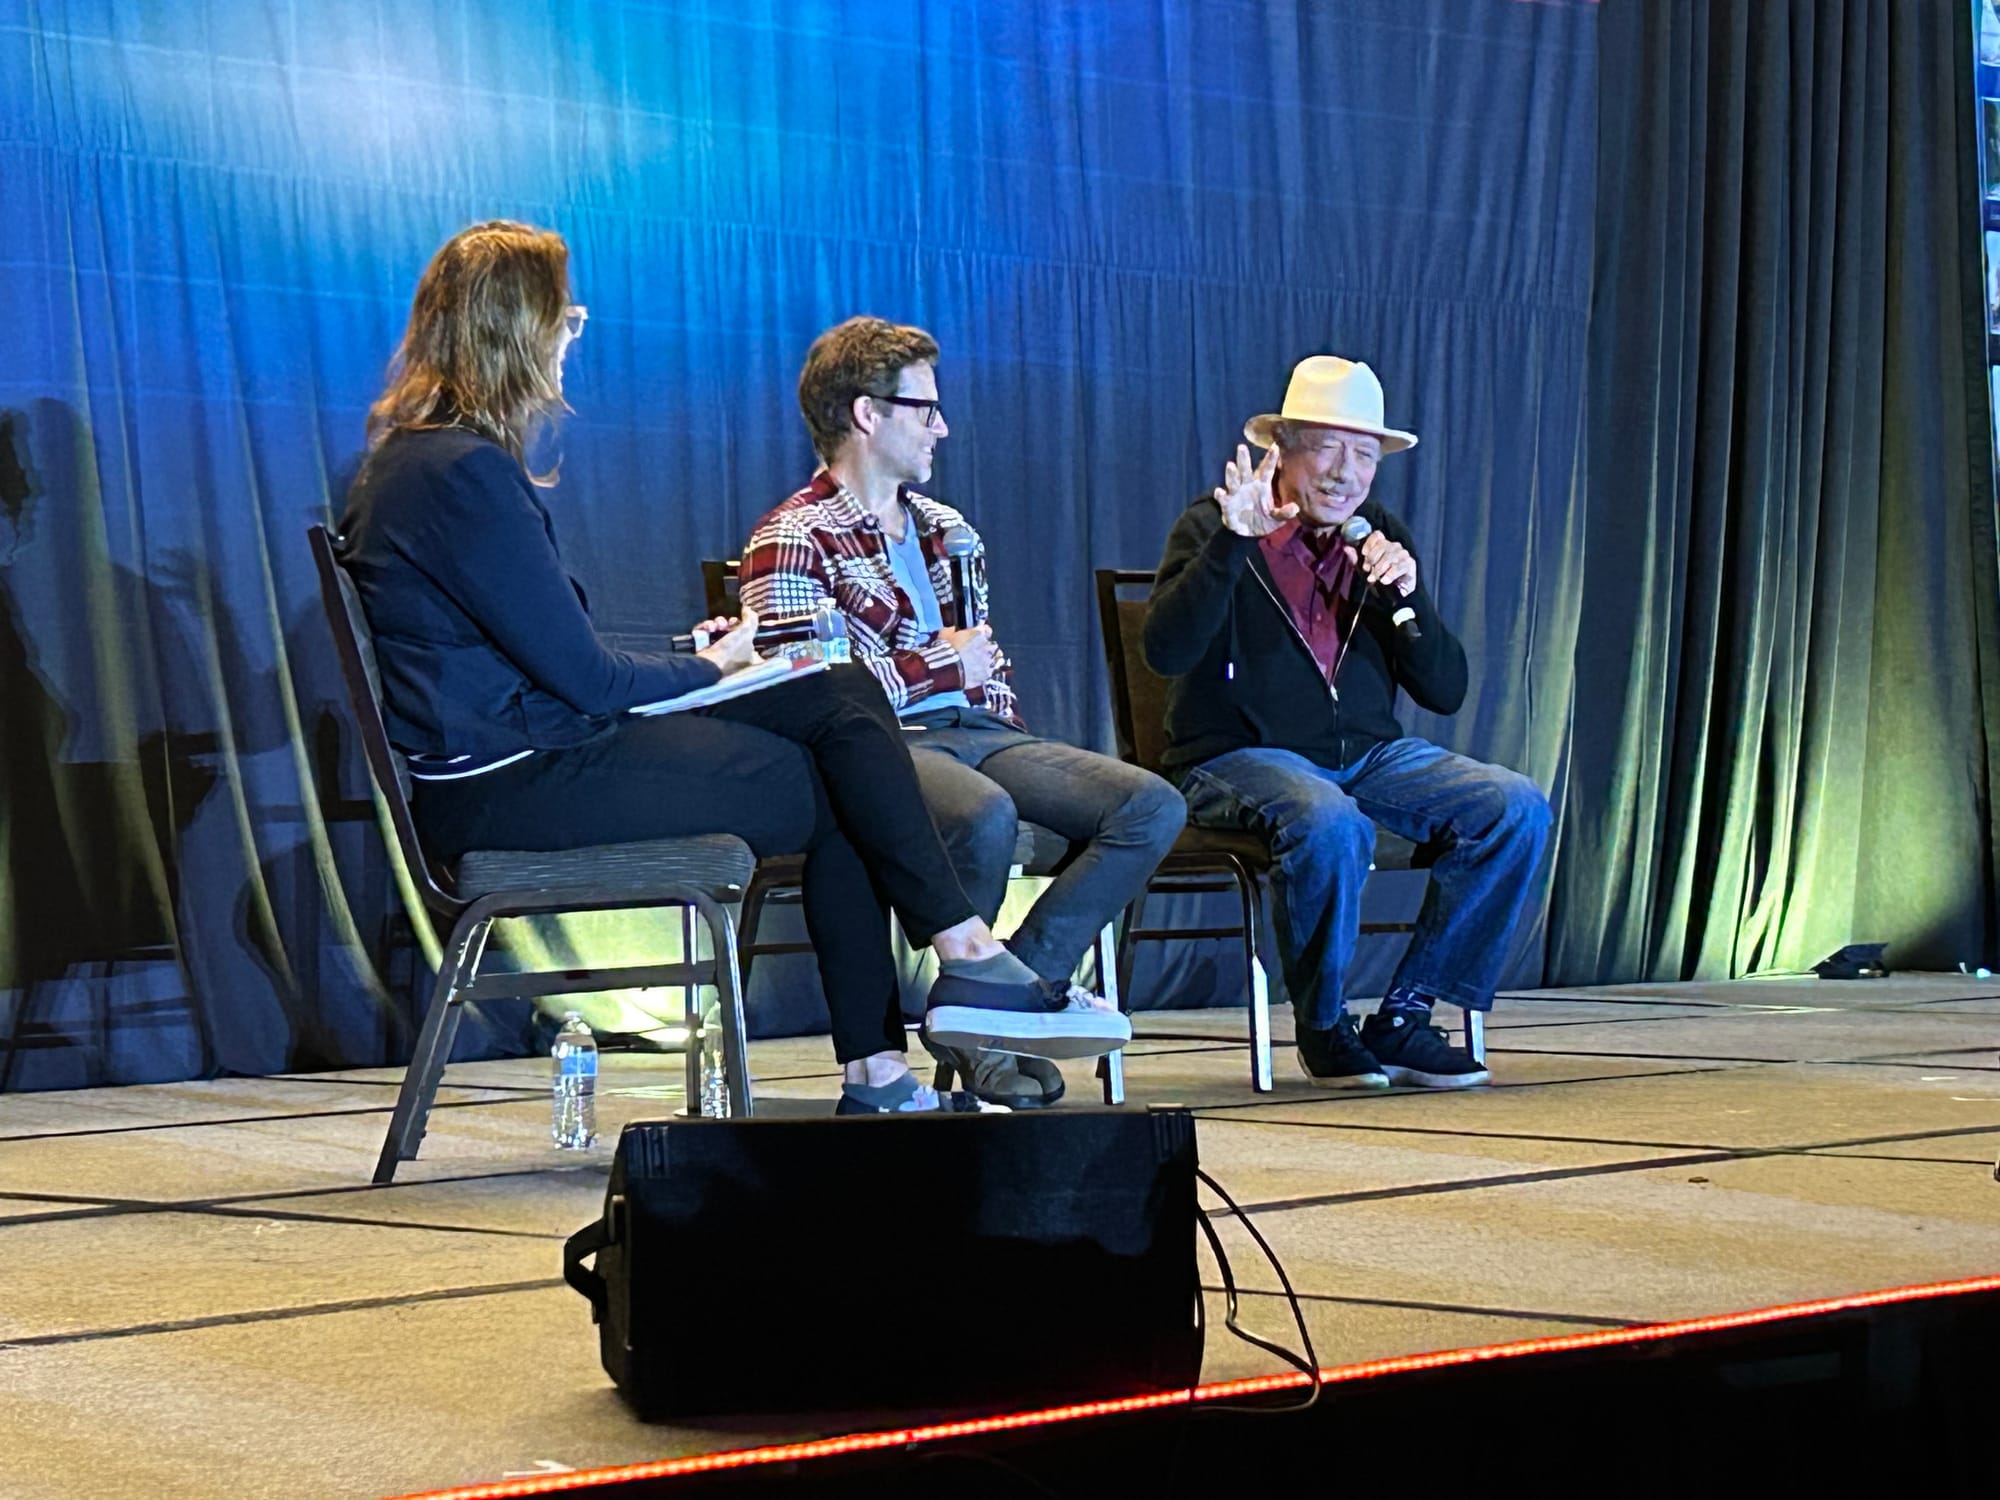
(586, 1242)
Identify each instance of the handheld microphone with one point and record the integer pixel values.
(1402, 614)
(823, 624)
(960, 542)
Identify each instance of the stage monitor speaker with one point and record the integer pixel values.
(933, 1261)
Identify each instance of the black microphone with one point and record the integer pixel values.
(960, 542)
(1402, 614)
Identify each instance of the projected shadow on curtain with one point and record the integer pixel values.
(89, 955)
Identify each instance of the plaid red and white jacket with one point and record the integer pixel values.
(823, 544)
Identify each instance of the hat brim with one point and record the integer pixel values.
(1263, 431)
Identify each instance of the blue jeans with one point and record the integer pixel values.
(981, 776)
(1320, 825)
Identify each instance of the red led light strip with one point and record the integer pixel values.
(900, 1437)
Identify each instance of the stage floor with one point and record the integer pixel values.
(204, 1296)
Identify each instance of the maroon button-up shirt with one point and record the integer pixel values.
(1312, 583)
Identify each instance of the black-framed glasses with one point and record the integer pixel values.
(574, 317)
(930, 410)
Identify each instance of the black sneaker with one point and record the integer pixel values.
(906, 1096)
(1000, 1078)
(1336, 1059)
(1413, 1051)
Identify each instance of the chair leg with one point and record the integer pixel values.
(420, 1080)
(1260, 1029)
(1260, 993)
(14, 1034)
(729, 1002)
(1475, 1035)
(746, 927)
(1135, 914)
(1111, 1066)
(691, 1016)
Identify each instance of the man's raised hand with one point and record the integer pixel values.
(1248, 503)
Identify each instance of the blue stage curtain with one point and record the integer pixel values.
(1124, 223)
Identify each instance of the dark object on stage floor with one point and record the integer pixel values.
(938, 1262)
(1855, 961)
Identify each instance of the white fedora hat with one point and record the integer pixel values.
(1328, 391)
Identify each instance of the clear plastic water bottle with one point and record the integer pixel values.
(573, 1081)
(830, 630)
(714, 1077)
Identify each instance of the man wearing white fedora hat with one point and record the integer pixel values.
(1288, 611)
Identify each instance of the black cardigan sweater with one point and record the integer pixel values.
(484, 640)
(1241, 673)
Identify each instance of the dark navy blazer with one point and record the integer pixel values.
(485, 641)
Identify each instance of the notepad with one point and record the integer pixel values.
(771, 670)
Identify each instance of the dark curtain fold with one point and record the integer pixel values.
(1789, 674)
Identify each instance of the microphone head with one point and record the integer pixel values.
(1356, 529)
(960, 541)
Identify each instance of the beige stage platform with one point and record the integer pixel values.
(203, 1296)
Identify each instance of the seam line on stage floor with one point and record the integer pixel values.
(1364, 1097)
(276, 1314)
(1873, 1060)
(1601, 1169)
(140, 1207)
(1946, 1132)
(199, 1205)
(1582, 1320)
(1591, 998)
(1201, 1112)
(1495, 1028)
(311, 1114)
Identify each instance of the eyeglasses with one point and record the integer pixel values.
(931, 412)
(574, 317)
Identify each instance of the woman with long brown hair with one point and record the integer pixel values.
(512, 712)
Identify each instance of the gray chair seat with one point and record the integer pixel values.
(718, 864)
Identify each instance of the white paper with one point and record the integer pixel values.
(772, 670)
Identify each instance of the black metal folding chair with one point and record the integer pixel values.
(697, 875)
(1205, 860)
(776, 882)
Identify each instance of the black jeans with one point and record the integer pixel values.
(980, 776)
(816, 766)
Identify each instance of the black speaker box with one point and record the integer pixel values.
(933, 1261)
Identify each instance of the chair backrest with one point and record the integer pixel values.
(1139, 701)
(1138, 693)
(718, 584)
(355, 648)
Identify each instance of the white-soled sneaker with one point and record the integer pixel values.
(1412, 1051)
(1042, 1019)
